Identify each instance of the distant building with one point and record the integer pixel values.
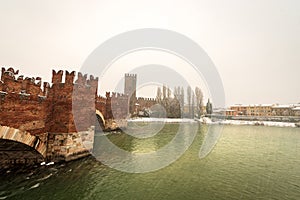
(296, 111)
(219, 111)
(231, 112)
(138, 106)
(282, 110)
(251, 110)
(239, 110)
(130, 90)
(130, 85)
(259, 110)
(264, 110)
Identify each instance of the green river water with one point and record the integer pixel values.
(248, 162)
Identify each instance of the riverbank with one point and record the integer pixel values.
(255, 123)
(164, 120)
(206, 120)
(292, 119)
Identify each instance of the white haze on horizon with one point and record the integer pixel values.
(255, 45)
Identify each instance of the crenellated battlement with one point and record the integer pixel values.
(69, 79)
(10, 72)
(11, 84)
(111, 96)
(118, 95)
(81, 79)
(93, 81)
(29, 101)
(144, 103)
(70, 76)
(130, 75)
(146, 99)
(57, 76)
(101, 99)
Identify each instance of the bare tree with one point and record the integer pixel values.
(189, 99)
(158, 94)
(171, 104)
(176, 93)
(199, 101)
(164, 92)
(193, 105)
(181, 100)
(168, 93)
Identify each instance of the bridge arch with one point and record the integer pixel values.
(23, 137)
(100, 119)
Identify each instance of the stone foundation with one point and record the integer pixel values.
(70, 146)
(113, 124)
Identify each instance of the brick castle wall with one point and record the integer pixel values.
(25, 105)
(51, 109)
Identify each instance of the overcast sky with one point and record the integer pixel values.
(255, 45)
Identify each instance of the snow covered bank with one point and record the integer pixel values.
(206, 120)
(256, 123)
(165, 120)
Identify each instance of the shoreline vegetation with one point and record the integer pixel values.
(209, 121)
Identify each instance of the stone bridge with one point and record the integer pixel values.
(22, 147)
(38, 122)
(41, 121)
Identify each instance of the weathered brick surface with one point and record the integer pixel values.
(24, 137)
(65, 147)
(60, 114)
(145, 103)
(25, 106)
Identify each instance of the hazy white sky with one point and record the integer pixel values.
(255, 45)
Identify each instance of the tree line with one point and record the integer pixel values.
(177, 106)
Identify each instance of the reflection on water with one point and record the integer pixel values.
(248, 162)
(112, 154)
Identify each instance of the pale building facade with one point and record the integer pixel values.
(264, 110)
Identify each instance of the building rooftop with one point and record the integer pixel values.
(252, 105)
(267, 105)
(283, 106)
(296, 109)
